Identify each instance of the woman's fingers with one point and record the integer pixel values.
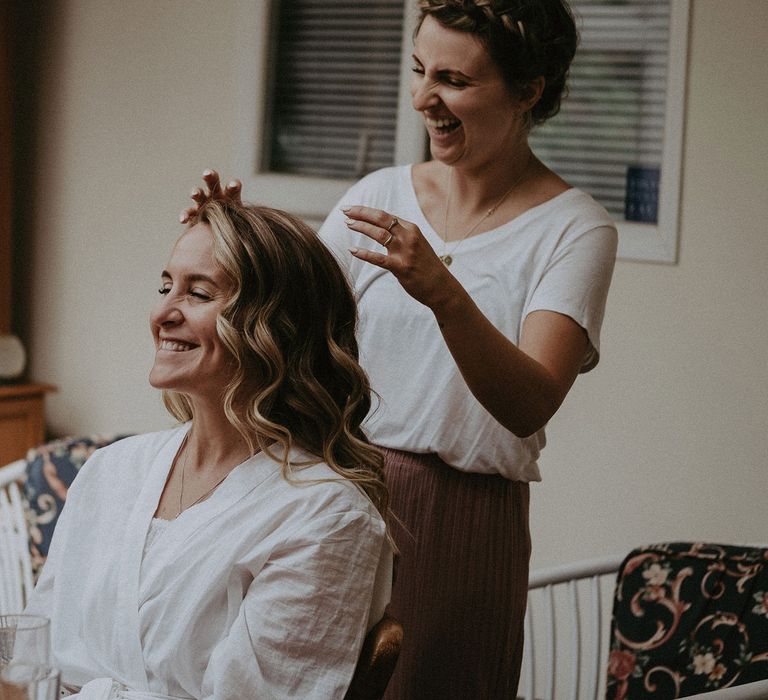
(211, 179)
(409, 256)
(188, 214)
(378, 225)
(377, 259)
(377, 217)
(198, 195)
(380, 235)
(214, 190)
(232, 191)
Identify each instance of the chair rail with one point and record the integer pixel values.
(576, 589)
(15, 562)
(560, 598)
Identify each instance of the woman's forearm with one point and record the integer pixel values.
(518, 390)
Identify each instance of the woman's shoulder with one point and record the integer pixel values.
(575, 221)
(315, 481)
(141, 442)
(575, 206)
(570, 217)
(558, 202)
(134, 453)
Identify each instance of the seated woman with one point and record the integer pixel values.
(242, 554)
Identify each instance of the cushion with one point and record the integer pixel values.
(51, 468)
(688, 618)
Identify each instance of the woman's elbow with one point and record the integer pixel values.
(527, 429)
(533, 416)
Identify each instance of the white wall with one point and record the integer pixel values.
(137, 100)
(668, 438)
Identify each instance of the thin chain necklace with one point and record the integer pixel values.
(447, 256)
(182, 507)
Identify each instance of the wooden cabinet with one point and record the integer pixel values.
(22, 419)
(6, 160)
(22, 422)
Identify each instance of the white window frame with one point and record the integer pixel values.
(309, 197)
(659, 242)
(312, 197)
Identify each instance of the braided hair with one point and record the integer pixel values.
(526, 39)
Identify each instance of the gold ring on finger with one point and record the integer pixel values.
(389, 239)
(393, 224)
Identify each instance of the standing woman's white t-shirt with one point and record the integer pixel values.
(557, 256)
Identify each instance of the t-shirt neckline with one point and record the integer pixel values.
(478, 240)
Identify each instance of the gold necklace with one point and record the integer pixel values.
(183, 472)
(447, 256)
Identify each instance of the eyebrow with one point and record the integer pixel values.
(192, 278)
(446, 71)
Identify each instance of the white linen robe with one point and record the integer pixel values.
(264, 590)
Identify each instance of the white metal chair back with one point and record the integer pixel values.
(15, 562)
(561, 651)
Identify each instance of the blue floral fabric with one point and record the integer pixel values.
(688, 618)
(51, 468)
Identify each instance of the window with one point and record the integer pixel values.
(328, 100)
(334, 100)
(325, 98)
(618, 135)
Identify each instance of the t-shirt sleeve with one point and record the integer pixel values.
(575, 282)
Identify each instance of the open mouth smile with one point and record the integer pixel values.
(443, 126)
(175, 346)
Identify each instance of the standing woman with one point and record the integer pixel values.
(481, 300)
(481, 278)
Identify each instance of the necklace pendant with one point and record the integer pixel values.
(446, 259)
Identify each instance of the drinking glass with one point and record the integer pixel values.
(25, 655)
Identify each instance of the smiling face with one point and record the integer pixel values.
(470, 112)
(190, 358)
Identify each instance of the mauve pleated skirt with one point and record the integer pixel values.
(461, 579)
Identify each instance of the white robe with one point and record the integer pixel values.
(264, 590)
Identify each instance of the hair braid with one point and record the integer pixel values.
(525, 39)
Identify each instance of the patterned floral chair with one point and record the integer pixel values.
(688, 619)
(50, 470)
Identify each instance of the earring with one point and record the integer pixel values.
(527, 120)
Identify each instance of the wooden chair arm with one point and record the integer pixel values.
(377, 660)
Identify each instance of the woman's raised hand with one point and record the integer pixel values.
(409, 257)
(230, 193)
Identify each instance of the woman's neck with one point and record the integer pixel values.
(213, 442)
(481, 187)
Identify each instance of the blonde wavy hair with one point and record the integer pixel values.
(290, 328)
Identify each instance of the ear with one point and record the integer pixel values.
(531, 94)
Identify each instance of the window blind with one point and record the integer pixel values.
(334, 87)
(611, 126)
(332, 110)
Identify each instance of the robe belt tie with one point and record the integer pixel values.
(109, 689)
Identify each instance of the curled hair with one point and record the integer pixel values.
(290, 328)
(526, 39)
